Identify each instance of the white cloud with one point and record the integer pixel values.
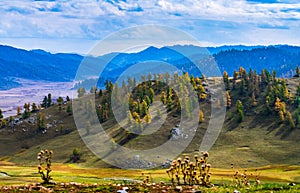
(215, 21)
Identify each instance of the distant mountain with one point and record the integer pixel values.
(42, 65)
(36, 65)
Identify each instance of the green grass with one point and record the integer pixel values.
(274, 178)
(76, 173)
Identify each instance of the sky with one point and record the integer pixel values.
(76, 26)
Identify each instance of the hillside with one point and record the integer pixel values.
(260, 138)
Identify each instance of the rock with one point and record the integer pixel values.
(178, 188)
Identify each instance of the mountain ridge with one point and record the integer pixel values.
(59, 67)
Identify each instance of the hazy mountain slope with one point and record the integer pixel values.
(41, 65)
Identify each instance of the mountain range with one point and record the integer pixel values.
(39, 65)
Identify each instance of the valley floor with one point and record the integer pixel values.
(81, 179)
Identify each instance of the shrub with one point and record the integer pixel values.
(44, 168)
(191, 173)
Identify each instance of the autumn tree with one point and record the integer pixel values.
(201, 116)
(235, 77)
(148, 118)
(226, 80)
(3, 122)
(19, 111)
(41, 120)
(163, 98)
(228, 100)
(253, 100)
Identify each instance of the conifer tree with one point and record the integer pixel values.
(1, 115)
(297, 71)
(240, 111)
(45, 102)
(169, 103)
(49, 101)
(69, 110)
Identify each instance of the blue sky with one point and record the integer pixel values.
(76, 26)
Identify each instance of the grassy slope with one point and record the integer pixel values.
(258, 141)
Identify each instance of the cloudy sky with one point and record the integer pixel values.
(76, 26)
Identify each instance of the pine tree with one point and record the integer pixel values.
(297, 117)
(1, 115)
(49, 102)
(148, 100)
(69, 110)
(45, 102)
(169, 103)
(60, 101)
(240, 111)
(297, 71)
